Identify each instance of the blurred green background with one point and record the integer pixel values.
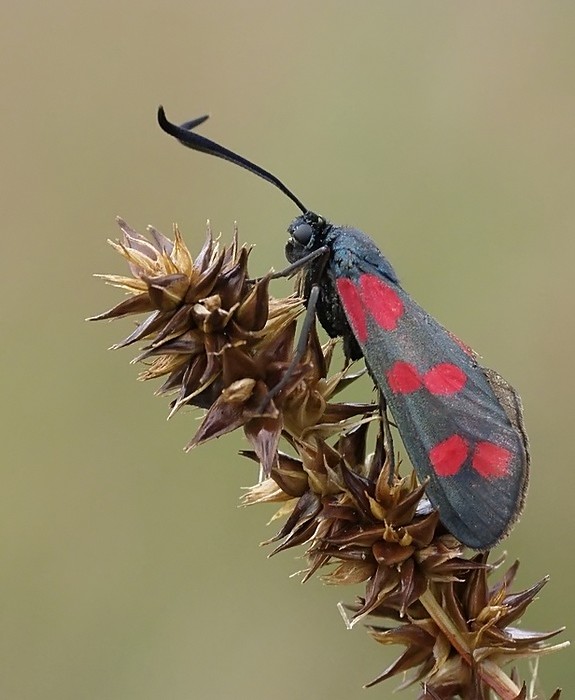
(445, 130)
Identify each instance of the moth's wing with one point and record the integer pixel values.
(461, 424)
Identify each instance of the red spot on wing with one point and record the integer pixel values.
(449, 456)
(444, 378)
(490, 460)
(349, 295)
(403, 378)
(382, 301)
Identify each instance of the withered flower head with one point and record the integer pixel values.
(223, 344)
(462, 634)
(197, 308)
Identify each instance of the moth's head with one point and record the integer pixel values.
(306, 234)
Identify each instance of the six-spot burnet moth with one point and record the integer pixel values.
(461, 423)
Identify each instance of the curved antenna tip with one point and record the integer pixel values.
(171, 129)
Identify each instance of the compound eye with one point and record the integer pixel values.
(303, 233)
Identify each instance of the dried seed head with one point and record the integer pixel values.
(197, 308)
(460, 638)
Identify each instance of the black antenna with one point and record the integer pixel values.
(188, 138)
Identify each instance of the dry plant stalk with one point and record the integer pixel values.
(220, 342)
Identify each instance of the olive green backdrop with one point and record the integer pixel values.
(445, 130)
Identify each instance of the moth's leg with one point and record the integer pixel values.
(297, 265)
(300, 348)
(387, 438)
